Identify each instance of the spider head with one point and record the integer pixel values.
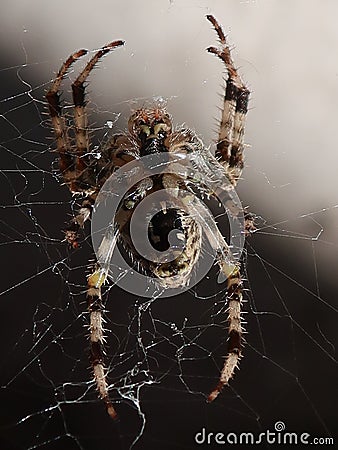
(150, 127)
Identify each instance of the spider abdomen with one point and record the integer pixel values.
(162, 238)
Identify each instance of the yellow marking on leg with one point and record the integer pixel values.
(96, 279)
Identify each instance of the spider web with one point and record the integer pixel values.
(163, 354)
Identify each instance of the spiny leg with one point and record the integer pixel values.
(235, 330)
(231, 270)
(80, 114)
(78, 221)
(96, 309)
(230, 139)
(66, 162)
(114, 155)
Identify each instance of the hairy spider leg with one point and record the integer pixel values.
(235, 329)
(71, 169)
(80, 113)
(71, 163)
(66, 161)
(113, 156)
(229, 152)
(72, 229)
(96, 310)
(234, 296)
(230, 144)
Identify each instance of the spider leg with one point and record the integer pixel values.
(234, 298)
(114, 155)
(80, 114)
(66, 162)
(230, 144)
(96, 309)
(235, 330)
(231, 270)
(77, 222)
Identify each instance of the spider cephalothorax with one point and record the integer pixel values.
(150, 133)
(150, 127)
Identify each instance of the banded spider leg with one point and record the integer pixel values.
(229, 152)
(75, 166)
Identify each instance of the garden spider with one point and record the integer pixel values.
(150, 132)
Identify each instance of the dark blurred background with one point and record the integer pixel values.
(286, 53)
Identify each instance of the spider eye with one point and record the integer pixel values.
(145, 130)
(160, 127)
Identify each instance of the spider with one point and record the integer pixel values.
(150, 132)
